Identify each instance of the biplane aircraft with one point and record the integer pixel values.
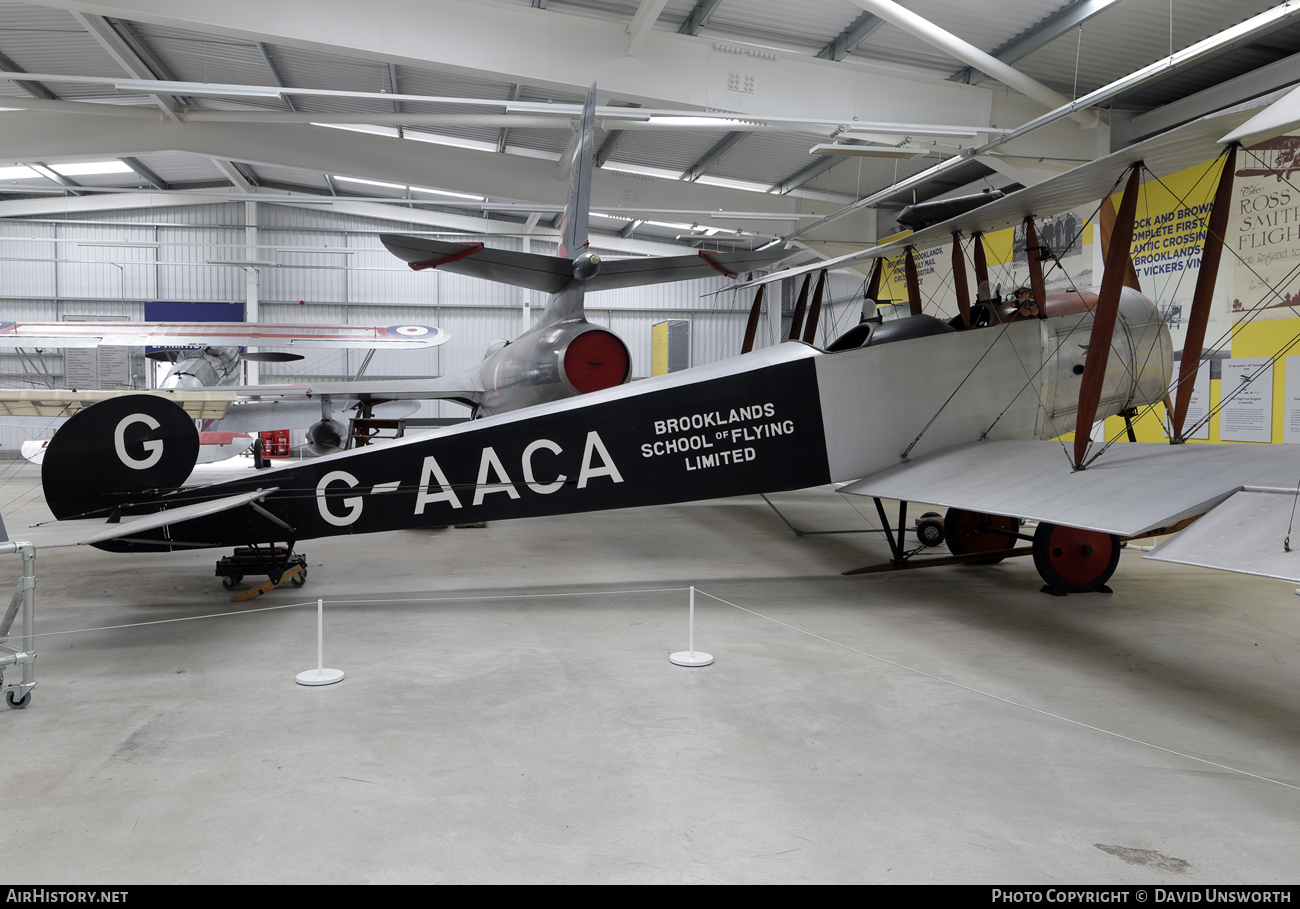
(971, 421)
(203, 375)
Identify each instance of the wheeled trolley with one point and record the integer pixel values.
(259, 562)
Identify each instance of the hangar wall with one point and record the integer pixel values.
(48, 274)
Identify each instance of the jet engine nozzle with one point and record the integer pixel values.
(586, 266)
(326, 437)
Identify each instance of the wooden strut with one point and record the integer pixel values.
(873, 283)
(815, 313)
(1103, 322)
(959, 284)
(796, 320)
(1035, 258)
(1211, 254)
(913, 282)
(751, 327)
(982, 285)
(1107, 227)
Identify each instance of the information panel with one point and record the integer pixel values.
(1247, 414)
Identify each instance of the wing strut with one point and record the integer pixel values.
(1200, 316)
(959, 284)
(796, 321)
(814, 314)
(1107, 228)
(1103, 324)
(1034, 254)
(982, 285)
(913, 282)
(751, 327)
(873, 283)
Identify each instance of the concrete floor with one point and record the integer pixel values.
(550, 740)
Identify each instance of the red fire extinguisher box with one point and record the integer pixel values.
(275, 443)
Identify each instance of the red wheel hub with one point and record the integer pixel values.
(1079, 556)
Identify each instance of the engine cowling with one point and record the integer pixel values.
(1138, 370)
(559, 361)
(326, 437)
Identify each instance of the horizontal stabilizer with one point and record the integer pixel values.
(1135, 487)
(1245, 534)
(704, 264)
(84, 532)
(548, 274)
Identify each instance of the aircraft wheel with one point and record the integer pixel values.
(230, 580)
(1074, 560)
(929, 530)
(299, 579)
(17, 703)
(969, 532)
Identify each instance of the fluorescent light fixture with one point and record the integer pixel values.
(638, 169)
(757, 216)
(327, 250)
(447, 192)
(390, 132)
(601, 214)
(152, 87)
(370, 182)
(712, 239)
(126, 244)
(453, 141)
(87, 168)
(673, 224)
(866, 151)
(732, 184)
(243, 263)
(17, 173)
(920, 129)
(705, 122)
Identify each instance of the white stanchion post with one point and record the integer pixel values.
(320, 675)
(691, 657)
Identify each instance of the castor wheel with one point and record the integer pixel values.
(230, 580)
(300, 578)
(17, 703)
(929, 528)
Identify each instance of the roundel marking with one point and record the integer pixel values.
(154, 447)
(409, 331)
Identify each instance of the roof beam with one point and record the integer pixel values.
(1030, 40)
(35, 89)
(235, 174)
(847, 41)
(515, 91)
(265, 51)
(806, 173)
(33, 135)
(699, 17)
(669, 70)
(612, 138)
(108, 37)
(149, 176)
(950, 44)
(714, 155)
(644, 20)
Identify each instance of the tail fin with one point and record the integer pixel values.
(573, 228)
(117, 452)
